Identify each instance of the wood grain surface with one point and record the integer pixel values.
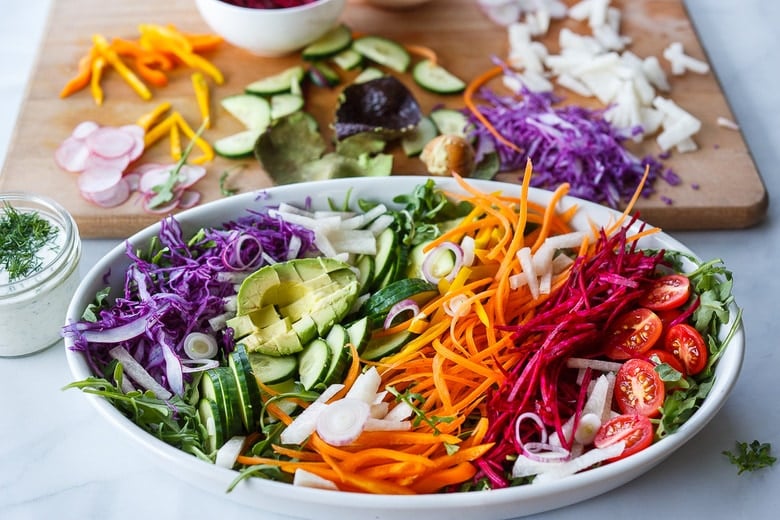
(730, 191)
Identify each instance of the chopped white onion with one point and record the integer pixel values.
(341, 422)
(366, 386)
(229, 452)
(304, 478)
(198, 345)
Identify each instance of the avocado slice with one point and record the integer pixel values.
(284, 306)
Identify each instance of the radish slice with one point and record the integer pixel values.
(98, 161)
(83, 129)
(189, 198)
(151, 177)
(158, 210)
(190, 174)
(137, 133)
(111, 198)
(110, 142)
(99, 181)
(342, 422)
(72, 154)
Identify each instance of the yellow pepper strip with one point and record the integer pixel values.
(113, 59)
(147, 120)
(162, 128)
(205, 147)
(98, 64)
(202, 96)
(175, 142)
(168, 40)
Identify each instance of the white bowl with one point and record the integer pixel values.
(322, 504)
(271, 32)
(396, 4)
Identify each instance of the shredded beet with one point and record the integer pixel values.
(268, 4)
(569, 324)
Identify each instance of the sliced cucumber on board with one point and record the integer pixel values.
(332, 42)
(276, 83)
(252, 111)
(450, 121)
(285, 104)
(414, 142)
(383, 51)
(238, 145)
(437, 79)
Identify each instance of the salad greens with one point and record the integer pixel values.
(751, 457)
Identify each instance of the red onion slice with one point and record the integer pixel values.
(400, 308)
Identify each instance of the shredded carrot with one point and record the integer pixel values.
(423, 51)
(468, 99)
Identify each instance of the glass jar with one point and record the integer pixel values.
(33, 307)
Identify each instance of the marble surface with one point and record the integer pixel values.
(59, 459)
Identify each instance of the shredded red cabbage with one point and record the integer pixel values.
(269, 4)
(569, 324)
(175, 287)
(565, 144)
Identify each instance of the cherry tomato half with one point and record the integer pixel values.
(635, 430)
(688, 346)
(668, 292)
(658, 356)
(633, 333)
(639, 389)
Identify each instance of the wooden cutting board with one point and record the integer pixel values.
(730, 191)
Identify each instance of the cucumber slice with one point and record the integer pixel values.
(414, 142)
(365, 267)
(348, 59)
(208, 411)
(287, 405)
(382, 346)
(359, 332)
(285, 104)
(337, 340)
(272, 369)
(450, 121)
(313, 363)
(379, 303)
(386, 250)
(237, 145)
(368, 74)
(248, 391)
(436, 78)
(383, 51)
(330, 43)
(253, 111)
(277, 83)
(323, 76)
(226, 394)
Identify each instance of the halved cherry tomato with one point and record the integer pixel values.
(688, 346)
(667, 292)
(635, 430)
(639, 389)
(658, 356)
(633, 333)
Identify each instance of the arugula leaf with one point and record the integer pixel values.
(750, 457)
(712, 283)
(90, 314)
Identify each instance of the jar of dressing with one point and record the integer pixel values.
(34, 298)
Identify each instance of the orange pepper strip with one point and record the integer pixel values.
(203, 42)
(169, 40)
(98, 64)
(82, 78)
(113, 59)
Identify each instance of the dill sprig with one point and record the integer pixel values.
(22, 236)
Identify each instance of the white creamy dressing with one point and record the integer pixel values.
(32, 309)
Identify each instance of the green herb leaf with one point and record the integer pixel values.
(22, 237)
(750, 457)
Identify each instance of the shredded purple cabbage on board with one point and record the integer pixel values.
(177, 288)
(568, 143)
